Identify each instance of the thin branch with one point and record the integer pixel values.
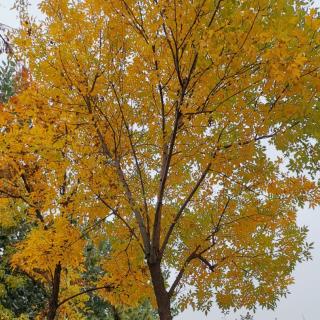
(207, 263)
(134, 153)
(115, 212)
(214, 13)
(176, 282)
(164, 175)
(116, 164)
(184, 205)
(107, 287)
(217, 227)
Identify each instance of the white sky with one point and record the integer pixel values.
(304, 301)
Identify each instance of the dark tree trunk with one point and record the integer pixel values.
(116, 315)
(162, 297)
(54, 299)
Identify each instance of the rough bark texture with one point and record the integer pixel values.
(54, 300)
(162, 296)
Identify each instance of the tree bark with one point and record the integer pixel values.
(162, 296)
(54, 300)
(116, 315)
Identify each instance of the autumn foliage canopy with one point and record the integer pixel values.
(183, 132)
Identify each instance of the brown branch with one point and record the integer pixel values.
(184, 205)
(218, 225)
(28, 188)
(160, 88)
(193, 23)
(207, 263)
(176, 282)
(214, 13)
(115, 213)
(168, 151)
(134, 153)
(163, 178)
(136, 24)
(116, 163)
(107, 287)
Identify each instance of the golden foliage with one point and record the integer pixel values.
(143, 122)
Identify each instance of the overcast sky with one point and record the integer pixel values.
(304, 301)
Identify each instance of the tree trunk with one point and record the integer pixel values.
(53, 303)
(116, 315)
(160, 291)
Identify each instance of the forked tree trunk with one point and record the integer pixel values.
(162, 297)
(54, 299)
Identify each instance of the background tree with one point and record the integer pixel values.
(21, 294)
(157, 115)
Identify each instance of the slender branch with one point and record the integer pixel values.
(160, 88)
(176, 282)
(207, 263)
(134, 153)
(107, 287)
(164, 175)
(136, 24)
(115, 212)
(116, 164)
(193, 23)
(184, 205)
(217, 227)
(214, 13)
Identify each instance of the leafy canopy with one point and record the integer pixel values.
(22, 294)
(146, 123)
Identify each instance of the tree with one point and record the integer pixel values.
(147, 122)
(21, 295)
(21, 292)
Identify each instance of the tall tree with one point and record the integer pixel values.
(21, 295)
(151, 119)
